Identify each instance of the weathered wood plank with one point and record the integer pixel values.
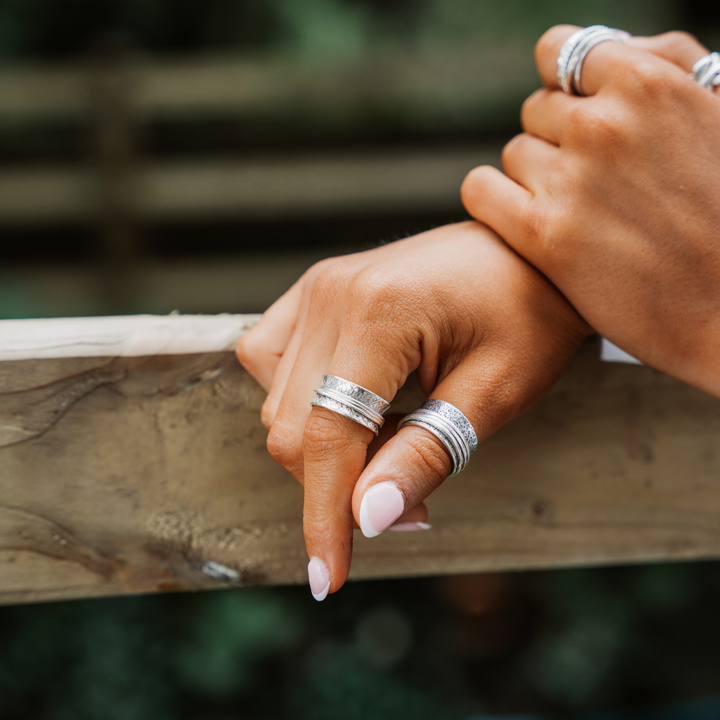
(140, 474)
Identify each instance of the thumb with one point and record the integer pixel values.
(415, 461)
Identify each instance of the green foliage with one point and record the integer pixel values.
(230, 636)
(305, 28)
(382, 650)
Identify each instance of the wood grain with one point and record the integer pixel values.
(144, 474)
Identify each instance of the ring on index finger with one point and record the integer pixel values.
(706, 71)
(574, 51)
(351, 401)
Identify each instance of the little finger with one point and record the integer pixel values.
(262, 347)
(493, 198)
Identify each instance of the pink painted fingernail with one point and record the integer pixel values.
(381, 506)
(409, 527)
(319, 578)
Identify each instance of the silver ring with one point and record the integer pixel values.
(449, 426)
(574, 51)
(351, 401)
(706, 71)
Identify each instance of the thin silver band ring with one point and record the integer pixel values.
(357, 406)
(352, 401)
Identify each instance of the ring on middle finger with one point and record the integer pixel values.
(574, 51)
(450, 426)
(351, 401)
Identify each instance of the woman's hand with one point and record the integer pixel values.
(483, 330)
(615, 197)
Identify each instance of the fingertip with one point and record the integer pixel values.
(242, 353)
(410, 527)
(394, 484)
(381, 506)
(476, 182)
(318, 578)
(268, 411)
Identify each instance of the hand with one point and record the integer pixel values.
(483, 330)
(614, 197)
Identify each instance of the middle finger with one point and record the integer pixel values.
(526, 159)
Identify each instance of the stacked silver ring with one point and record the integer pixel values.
(351, 401)
(574, 51)
(706, 71)
(450, 426)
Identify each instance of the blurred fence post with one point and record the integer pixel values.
(114, 81)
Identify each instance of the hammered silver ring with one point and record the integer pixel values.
(574, 51)
(706, 71)
(449, 426)
(351, 401)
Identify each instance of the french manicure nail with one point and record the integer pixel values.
(319, 578)
(409, 527)
(381, 506)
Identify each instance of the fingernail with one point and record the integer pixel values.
(319, 578)
(409, 527)
(381, 506)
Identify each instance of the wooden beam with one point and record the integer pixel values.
(141, 472)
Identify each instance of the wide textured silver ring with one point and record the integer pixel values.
(575, 50)
(706, 71)
(351, 401)
(450, 426)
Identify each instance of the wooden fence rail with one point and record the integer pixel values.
(110, 96)
(132, 460)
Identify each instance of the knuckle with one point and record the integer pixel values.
(530, 104)
(378, 294)
(268, 411)
(312, 273)
(679, 40)
(535, 227)
(599, 128)
(550, 42)
(646, 77)
(284, 447)
(323, 437)
(433, 461)
(511, 150)
(328, 280)
(247, 349)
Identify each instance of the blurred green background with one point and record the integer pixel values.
(395, 78)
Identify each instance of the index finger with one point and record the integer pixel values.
(334, 452)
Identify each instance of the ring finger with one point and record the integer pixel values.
(545, 114)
